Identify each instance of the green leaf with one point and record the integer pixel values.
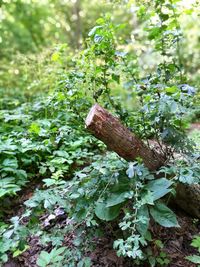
(11, 163)
(55, 252)
(107, 213)
(44, 259)
(164, 16)
(196, 242)
(194, 259)
(163, 215)
(159, 187)
(143, 217)
(171, 90)
(18, 251)
(49, 182)
(35, 128)
(57, 259)
(152, 261)
(147, 198)
(116, 78)
(173, 107)
(187, 176)
(154, 33)
(4, 258)
(56, 56)
(41, 262)
(61, 153)
(85, 262)
(94, 30)
(117, 198)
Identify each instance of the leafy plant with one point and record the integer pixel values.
(57, 257)
(51, 259)
(45, 140)
(196, 244)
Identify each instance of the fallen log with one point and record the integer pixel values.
(107, 128)
(120, 139)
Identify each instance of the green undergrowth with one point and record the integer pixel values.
(83, 185)
(195, 135)
(41, 138)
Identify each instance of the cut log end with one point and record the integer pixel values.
(90, 115)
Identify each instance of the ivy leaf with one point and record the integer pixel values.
(163, 215)
(107, 213)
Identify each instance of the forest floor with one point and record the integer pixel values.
(176, 241)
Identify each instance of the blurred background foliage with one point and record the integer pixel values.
(31, 31)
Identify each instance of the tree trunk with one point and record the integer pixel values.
(118, 138)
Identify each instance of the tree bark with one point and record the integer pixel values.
(118, 138)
